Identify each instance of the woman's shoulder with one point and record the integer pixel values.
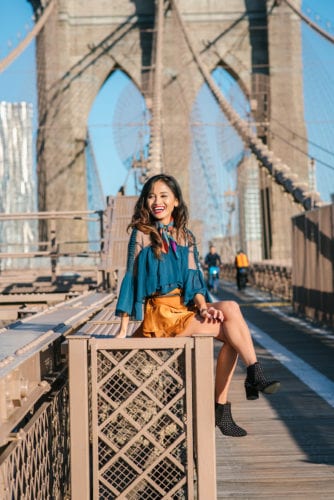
(142, 239)
(189, 237)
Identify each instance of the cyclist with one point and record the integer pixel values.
(241, 265)
(212, 264)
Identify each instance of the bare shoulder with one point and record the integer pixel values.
(190, 237)
(142, 239)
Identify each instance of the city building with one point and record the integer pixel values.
(17, 179)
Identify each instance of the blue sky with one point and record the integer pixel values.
(18, 83)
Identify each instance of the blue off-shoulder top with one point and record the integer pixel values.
(149, 275)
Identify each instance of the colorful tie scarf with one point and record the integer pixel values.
(167, 238)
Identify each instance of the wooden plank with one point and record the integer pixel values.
(289, 449)
(24, 338)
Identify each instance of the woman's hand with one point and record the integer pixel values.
(211, 313)
(121, 334)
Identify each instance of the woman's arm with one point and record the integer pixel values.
(124, 326)
(207, 311)
(200, 303)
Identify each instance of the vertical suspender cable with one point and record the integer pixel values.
(155, 147)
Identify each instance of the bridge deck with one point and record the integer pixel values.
(289, 449)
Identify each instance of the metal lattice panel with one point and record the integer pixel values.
(142, 423)
(36, 465)
(60, 444)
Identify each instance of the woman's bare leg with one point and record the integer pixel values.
(233, 330)
(236, 332)
(235, 335)
(226, 363)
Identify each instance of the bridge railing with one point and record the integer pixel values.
(52, 252)
(34, 402)
(313, 264)
(27, 253)
(36, 463)
(266, 276)
(142, 418)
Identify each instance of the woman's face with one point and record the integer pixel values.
(161, 202)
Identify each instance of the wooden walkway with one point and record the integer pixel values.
(289, 450)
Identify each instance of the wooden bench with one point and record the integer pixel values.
(106, 324)
(113, 262)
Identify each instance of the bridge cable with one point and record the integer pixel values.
(310, 23)
(305, 139)
(302, 151)
(154, 164)
(15, 53)
(280, 172)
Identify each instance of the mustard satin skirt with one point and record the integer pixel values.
(165, 316)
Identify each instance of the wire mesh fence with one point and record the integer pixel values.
(146, 427)
(36, 464)
(139, 404)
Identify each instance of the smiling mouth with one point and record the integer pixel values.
(158, 210)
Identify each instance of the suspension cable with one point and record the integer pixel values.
(4, 63)
(308, 21)
(280, 172)
(154, 165)
(304, 139)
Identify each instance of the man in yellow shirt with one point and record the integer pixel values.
(241, 265)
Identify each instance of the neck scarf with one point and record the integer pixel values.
(165, 231)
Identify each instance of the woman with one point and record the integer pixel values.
(163, 274)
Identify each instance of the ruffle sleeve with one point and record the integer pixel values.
(194, 284)
(125, 303)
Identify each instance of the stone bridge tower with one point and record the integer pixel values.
(83, 42)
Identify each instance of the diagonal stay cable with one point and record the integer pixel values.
(281, 173)
(310, 23)
(303, 138)
(14, 54)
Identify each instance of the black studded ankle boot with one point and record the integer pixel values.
(225, 422)
(256, 381)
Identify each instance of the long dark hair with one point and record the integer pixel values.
(145, 222)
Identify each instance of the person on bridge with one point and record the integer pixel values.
(213, 264)
(164, 278)
(241, 264)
